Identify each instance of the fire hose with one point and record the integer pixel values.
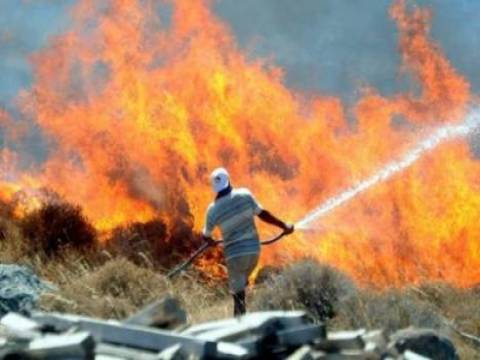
(206, 246)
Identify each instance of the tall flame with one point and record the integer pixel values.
(138, 111)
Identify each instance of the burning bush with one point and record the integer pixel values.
(57, 225)
(305, 285)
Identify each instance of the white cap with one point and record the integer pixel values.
(219, 179)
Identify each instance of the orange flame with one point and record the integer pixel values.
(139, 112)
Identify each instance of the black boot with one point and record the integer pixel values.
(239, 306)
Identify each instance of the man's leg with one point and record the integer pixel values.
(239, 269)
(237, 278)
(239, 305)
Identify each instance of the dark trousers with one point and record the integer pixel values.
(239, 304)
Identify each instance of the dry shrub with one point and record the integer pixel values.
(151, 240)
(266, 274)
(121, 278)
(454, 303)
(13, 246)
(137, 238)
(55, 226)
(305, 285)
(390, 310)
(459, 307)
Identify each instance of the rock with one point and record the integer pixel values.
(164, 314)
(19, 289)
(424, 342)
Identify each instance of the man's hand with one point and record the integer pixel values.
(288, 228)
(209, 240)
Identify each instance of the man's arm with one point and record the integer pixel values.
(208, 228)
(269, 218)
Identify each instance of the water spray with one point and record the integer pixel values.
(442, 134)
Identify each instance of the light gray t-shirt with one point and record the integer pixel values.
(234, 214)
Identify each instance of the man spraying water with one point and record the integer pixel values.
(233, 211)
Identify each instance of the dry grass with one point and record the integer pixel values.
(114, 289)
(305, 285)
(119, 287)
(112, 286)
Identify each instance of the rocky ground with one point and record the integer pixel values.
(361, 324)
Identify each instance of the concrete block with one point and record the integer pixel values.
(249, 324)
(250, 321)
(300, 335)
(303, 353)
(410, 355)
(342, 340)
(19, 327)
(106, 351)
(78, 345)
(134, 336)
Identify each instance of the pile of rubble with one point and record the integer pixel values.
(19, 289)
(159, 332)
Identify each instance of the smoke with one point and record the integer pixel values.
(327, 46)
(25, 26)
(335, 47)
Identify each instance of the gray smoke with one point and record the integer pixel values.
(25, 26)
(333, 46)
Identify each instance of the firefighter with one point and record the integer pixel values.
(233, 211)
